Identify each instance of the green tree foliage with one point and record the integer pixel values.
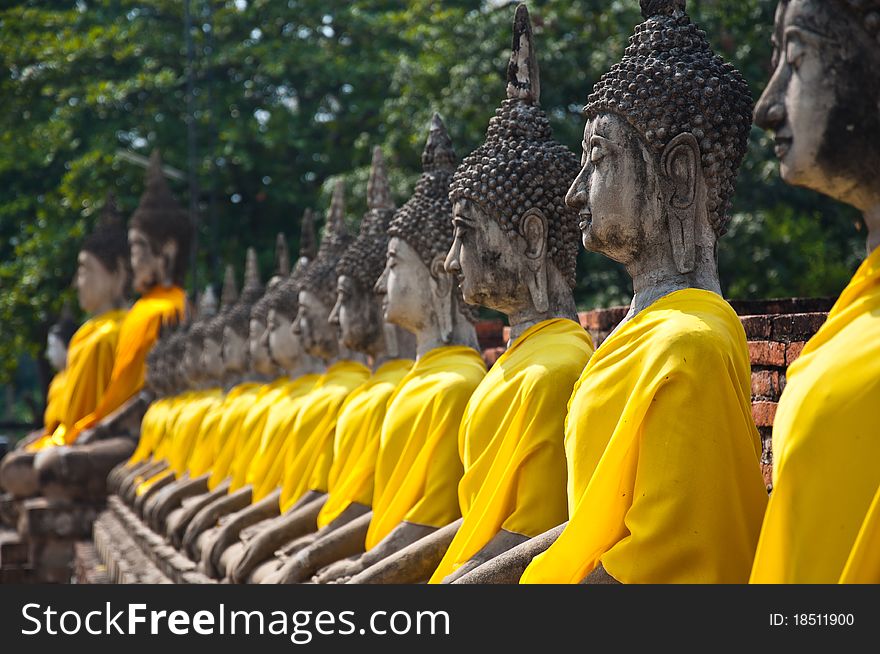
(291, 94)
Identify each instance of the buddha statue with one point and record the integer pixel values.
(822, 105)
(57, 343)
(101, 278)
(318, 421)
(310, 435)
(260, 358)
(148, 459)
(264, 467)
(158, 236)
(664, 483)
(417, 467)
(346, 470)
(515, 250)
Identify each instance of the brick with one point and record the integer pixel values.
(757, 327)
(489, 333)
(793, 351)
(767, 353)
(505, 335)
(796, 326)
(766, 384)
(763, 413)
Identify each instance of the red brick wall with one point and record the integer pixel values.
(776, 331)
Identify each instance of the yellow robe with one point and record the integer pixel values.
(248, 437)
(226, 438)
(52, 414)
(313, 431)
(511, 440)
(664, 482)
(189, 427)
(863, 565)
(826, 443)
(357, 441)
(153, 425)
(90, 357)
(208, 444)
(137, 334)
(418, 467)
(279, 423)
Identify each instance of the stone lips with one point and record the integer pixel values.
(670, 82)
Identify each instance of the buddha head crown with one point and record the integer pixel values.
(239, 315)
(320, 277)
(162, 219)
(207, 306)
(364, 259)
(519, 167)
(228, 298)
(109, 241)
(668, 83)
(308, 243)
(282, 260)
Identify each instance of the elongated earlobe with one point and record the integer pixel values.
(681, 165)
(441, 283)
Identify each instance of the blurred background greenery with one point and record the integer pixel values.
(289, 95)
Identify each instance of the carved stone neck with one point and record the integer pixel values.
(429, 338)
(307, 365)
(658, 277)
(397, 344)
(561, 305)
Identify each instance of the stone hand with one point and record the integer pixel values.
(341, 571)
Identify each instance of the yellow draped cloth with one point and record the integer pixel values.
(418, 467)
(137, 334)
(279, 422)
(863, 565)
(312, 433)
(511, 440)
(216, 424)
(226, 439)
(664, 482)
(156, 419)
(826, 443)
(189, 427)
(90, 357)
(52, 414)
(236, 455)
(356, 444)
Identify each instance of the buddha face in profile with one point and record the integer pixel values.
(311, 326)
(212, 358)
(823, 100)
(357, 315)
(493, 266)
(410, 293)
(617, 193)
(98, 288)
(258, 347)
(193, 369)
(234, 350)
(281, 341)
(151, 263)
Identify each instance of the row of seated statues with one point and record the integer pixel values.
(338, 424)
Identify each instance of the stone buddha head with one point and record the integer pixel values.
(174, 351)
(262, 361)
(515, 245)
(212, 344)
(317, 294)
(357, 311)
(823, 100)
(281, 339)
(236, 346)
(193, 359)
(102, 263)
(666, 131)
(159, 234)
(417, 290)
